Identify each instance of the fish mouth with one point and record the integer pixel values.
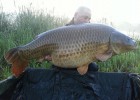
(131, 46)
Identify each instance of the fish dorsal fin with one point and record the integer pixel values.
(104, 56)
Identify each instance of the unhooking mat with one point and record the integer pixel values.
(67, 84)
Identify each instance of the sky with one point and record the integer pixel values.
(115, 10)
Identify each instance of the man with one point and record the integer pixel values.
(83, 15)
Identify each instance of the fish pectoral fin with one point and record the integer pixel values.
(105, 56)
(82, 69)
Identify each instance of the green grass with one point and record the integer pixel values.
(19, 30)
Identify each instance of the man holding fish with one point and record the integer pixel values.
(73, 46)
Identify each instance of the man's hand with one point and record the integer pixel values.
(46, 58)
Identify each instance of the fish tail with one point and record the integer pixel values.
(18, 64)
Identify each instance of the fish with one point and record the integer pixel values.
(73, 46)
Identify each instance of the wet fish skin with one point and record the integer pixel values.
(72, 46)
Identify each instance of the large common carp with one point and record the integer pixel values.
(72, 46)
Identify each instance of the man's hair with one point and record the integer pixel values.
(83, 9)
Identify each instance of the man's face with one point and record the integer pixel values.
(83, 17)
